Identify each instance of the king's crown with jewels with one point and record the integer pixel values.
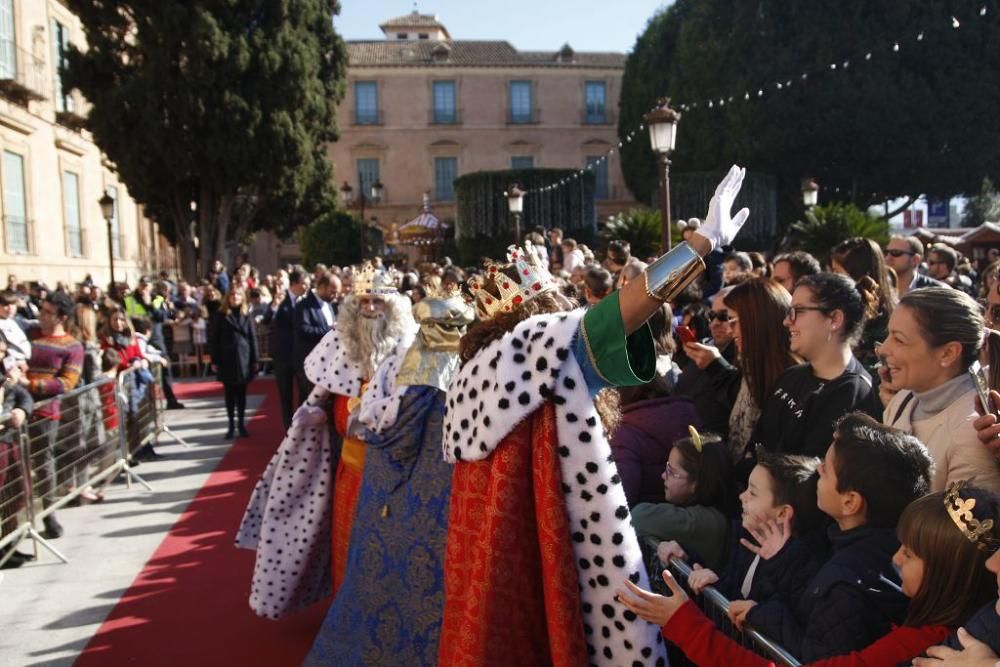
(369, 281)
(533, 279)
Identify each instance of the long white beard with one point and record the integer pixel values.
(373, 343)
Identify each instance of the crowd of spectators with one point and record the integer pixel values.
(828, 401)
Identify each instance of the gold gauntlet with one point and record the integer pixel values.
(667, 277)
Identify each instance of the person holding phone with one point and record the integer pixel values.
(935, 335)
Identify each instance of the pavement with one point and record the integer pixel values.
(50, 610)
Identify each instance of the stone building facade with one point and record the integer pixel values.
(51, 172)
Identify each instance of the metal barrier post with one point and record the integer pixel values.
(122, 403)
(719, 603)
(159, 399)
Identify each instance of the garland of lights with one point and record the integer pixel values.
(748, 96)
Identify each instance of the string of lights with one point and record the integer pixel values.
(773, 87)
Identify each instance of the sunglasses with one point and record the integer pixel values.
(721, 315)
(793, 312)
(899, 253)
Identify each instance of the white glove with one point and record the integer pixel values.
(720, 227)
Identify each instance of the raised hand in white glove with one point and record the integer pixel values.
(720, 226)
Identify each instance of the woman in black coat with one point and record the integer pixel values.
(233, 345)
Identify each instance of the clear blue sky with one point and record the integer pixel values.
(534, 25)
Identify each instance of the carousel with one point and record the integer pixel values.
(425, 234)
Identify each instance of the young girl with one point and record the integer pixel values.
(942, 565)
(697, 484)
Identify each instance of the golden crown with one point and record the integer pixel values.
(960, 510)
(369, 281)
(533, 279)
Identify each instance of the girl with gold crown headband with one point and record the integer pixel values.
(539, 525)
(946, 542)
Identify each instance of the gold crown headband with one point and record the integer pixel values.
(369, 281)
(533, 279)
(960, 511)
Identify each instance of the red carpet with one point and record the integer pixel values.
(189, 603)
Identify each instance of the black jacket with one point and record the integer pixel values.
(852, 600)
(282, 327)
(310, 327)
(14, 396)
(984, 626)
(713, 390)
(799, 415)
(233, 346)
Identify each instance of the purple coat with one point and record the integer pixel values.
(642, 442)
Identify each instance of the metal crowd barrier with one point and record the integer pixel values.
(716, 607)
(83, 438)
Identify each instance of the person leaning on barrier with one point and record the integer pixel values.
(15, 408)
(54, 368)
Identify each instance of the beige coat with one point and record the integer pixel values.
(951, 441)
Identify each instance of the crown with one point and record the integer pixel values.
(977, 532)
(369, 281)
(533, 279)
(441, 292)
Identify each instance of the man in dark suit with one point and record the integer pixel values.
(314, 317)
(280, 317)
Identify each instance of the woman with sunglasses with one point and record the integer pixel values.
(826, 316)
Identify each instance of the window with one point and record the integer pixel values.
(116, 238)
(14, 205)
(423, 35)
(522, 162)
(8, 56)
(60, 46)
(594, 101)
(520, 102)
(444, 102)
(600, 168)
(71, 214)
(367, 175)
(366, 103)
(445, 172)
(400, 35)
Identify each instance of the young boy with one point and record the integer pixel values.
(782, 488)
(870, 474)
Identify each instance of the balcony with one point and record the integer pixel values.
(17, 232)
(597, 116)
(368, 117)
(445, 117)
(523, 116)
(76, 242)
(22, 75)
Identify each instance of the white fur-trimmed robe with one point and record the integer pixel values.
(504, 384)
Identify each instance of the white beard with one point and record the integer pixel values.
(372, 343)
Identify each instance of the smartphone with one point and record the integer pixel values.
(982, 387)
(686, 334)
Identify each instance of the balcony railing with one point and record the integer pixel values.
(17, 235)
(22, 75)
(76, 241)
(523, 117)
(373, 117)
(446, 117)
(597, 117)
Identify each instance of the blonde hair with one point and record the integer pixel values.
(224, 307)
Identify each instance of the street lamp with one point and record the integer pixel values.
(515, 202)
(107, 204)
(810, 193)
(662, 123)
(377, 191)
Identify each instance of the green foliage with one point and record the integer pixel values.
(826, 226)
(225, 104)
(333, 239)
(640, 227)
(900, 124)
(484, 226)
(984, 207)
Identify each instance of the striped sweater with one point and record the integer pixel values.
(54, 368)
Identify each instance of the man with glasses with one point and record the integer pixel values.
(705, 360)
(903, 255)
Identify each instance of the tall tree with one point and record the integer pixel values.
(895, 123)
(213, 110)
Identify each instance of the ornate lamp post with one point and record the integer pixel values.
(515, 202)
(810, 193)
(107, 204)
(662, 123)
